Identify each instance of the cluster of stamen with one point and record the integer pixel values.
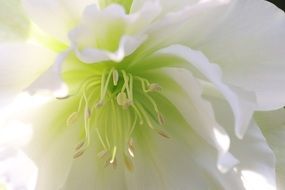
(114, 92)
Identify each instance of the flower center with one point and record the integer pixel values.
(111, 107)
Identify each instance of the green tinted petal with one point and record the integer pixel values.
(125, 3)
(14, 24)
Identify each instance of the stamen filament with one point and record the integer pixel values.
(101, 139)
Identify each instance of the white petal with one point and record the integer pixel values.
(248, 44)
(111, 34)
(273, 128)
(89, 172)
(56, 17)
(17, 171)
(51, 79)
(14, 24)
(167, 5)
(21, 64)
(245, 39)
(257, 161)
(199, 114)
(242, 102)
(53, 143)
(167, 164)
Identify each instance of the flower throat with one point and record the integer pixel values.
(111, 106)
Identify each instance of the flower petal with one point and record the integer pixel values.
(17, 171)
(273, 127)
(21, 64)
(51, 78)
(198, 113)
(52, 144)
(56, 17)
(249, 47)
(242, 102)
(257, 161)
(167, 5)
(119, 35)
(14, 24)
(246, 39)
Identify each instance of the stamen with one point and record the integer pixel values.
(131, 152)
(162, 133)
(114, 127)
(122, 98)
(138, 113)
(78, 154)
(133, 126)
(145, 115)
(143, 81)
(128, 163)
(160, 118)
(87, 112)
(113, 155)
(104, 88)
(72, 118)
(154, 87)
(80, 145)
(101, 139)
(115, 77)
(102, 153)
(126, 86)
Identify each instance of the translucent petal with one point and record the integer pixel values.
(244, 39)
(272, 125)
(14, 24)
(56, 17)
(242, 102)
(21, 64)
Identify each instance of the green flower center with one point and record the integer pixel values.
(111, 106)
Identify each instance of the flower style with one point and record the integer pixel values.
(161, 93)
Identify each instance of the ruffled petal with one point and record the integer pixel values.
(273, 127)
(198, 113)
(249, 47)
(56, 17)
(256, 159)
(246, 39)
(119, 35)
(242, 102)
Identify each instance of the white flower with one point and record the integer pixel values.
(161, 93)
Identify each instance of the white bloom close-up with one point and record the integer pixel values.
(142, 94)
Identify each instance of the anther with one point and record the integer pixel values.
(131, 148)
(131, 151)
(72, 118)
(162, 133)
(114, 163)
(122, 98)
(87, 112)
(80, 145)
(102, 153)
(128, 163)
(99, 104)
(115, 77)
(160, 118)
(78, 154)
(154, 87)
